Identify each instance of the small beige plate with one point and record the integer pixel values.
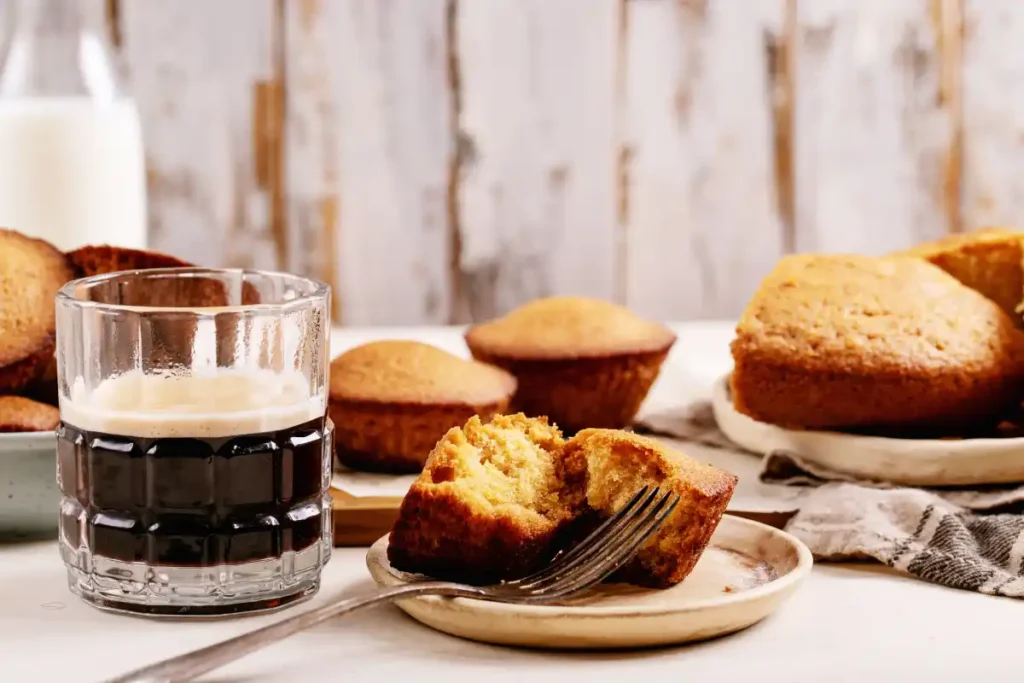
(909, 462)
(745, 573)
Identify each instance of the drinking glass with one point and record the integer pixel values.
(194, 450)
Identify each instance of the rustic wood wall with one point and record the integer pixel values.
(444, 160)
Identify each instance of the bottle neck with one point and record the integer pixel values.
(52, 51)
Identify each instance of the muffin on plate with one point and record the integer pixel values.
(619, 464)
(31, 273)
(497, 501)
(491, 503)
(392, 400)
(581, 362)
(990, 261)
(18, 414)
(855, 342)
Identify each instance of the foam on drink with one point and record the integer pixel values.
(209, 404)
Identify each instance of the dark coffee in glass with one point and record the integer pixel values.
(198, 489)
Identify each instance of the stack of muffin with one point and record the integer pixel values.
(924, 342)
(31, 273)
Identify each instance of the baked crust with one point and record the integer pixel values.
(102, 259)
(989, 261)
(391, 401)
(568, 327)
(581, 362)
(491, 504)
(621, 463)
(396, 438)
(842, 342)
(31, 273)
(18, 414)
(585, 392)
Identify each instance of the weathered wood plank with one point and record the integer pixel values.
(534, 200)
(993, 70)
(702, 224)
(368, 150)
(197, 69)
(877, 165)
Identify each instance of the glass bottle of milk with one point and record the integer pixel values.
(72, 167)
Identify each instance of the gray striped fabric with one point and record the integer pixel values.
(970, 539)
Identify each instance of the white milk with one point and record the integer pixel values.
(72, 171)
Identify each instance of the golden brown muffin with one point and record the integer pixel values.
(620, 464)
(103, 259)
(990, 261)
(199, 292)
(491, 502)
(31, 273)
(392, 400)
(19, 414)
(581, 362)
(855, 342)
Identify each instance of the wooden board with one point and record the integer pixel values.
(993, 117)
(697, 196)
(369, 143)
(446, 160)
(876, 121)
(532, 190)
(360, 523)
(210, 119)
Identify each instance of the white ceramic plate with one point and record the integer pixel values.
(910, 462)
(744, 575)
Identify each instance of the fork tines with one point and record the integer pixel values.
(603, 551)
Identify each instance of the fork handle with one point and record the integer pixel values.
(188, 666)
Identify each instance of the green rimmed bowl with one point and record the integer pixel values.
(29, 495)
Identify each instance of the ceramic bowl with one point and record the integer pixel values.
(29, 496)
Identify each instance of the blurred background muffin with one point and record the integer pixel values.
(392, 400)
(581, 362)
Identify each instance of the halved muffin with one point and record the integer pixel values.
(619, 464)
(855, 342)
(31, 273)
(19, 414)
(491, 503)
(391, 401)
(581, 362)
(989, 261)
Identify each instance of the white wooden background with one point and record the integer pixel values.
(445, 160)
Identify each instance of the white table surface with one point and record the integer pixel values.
(846, 623)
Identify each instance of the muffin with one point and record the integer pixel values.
(103, 259)
(491, 504)
(990, 261)
(855, 342)
(18, 414)
(581, 362)
(392, 400)
(31, 273)
(619, 464)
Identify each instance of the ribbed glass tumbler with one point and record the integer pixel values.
(194, 451)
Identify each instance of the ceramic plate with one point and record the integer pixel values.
(747, 571)
(29, 497)
(910, 462)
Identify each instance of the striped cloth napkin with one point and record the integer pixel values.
(971, 539)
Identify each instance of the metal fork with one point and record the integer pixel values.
(594, 559)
